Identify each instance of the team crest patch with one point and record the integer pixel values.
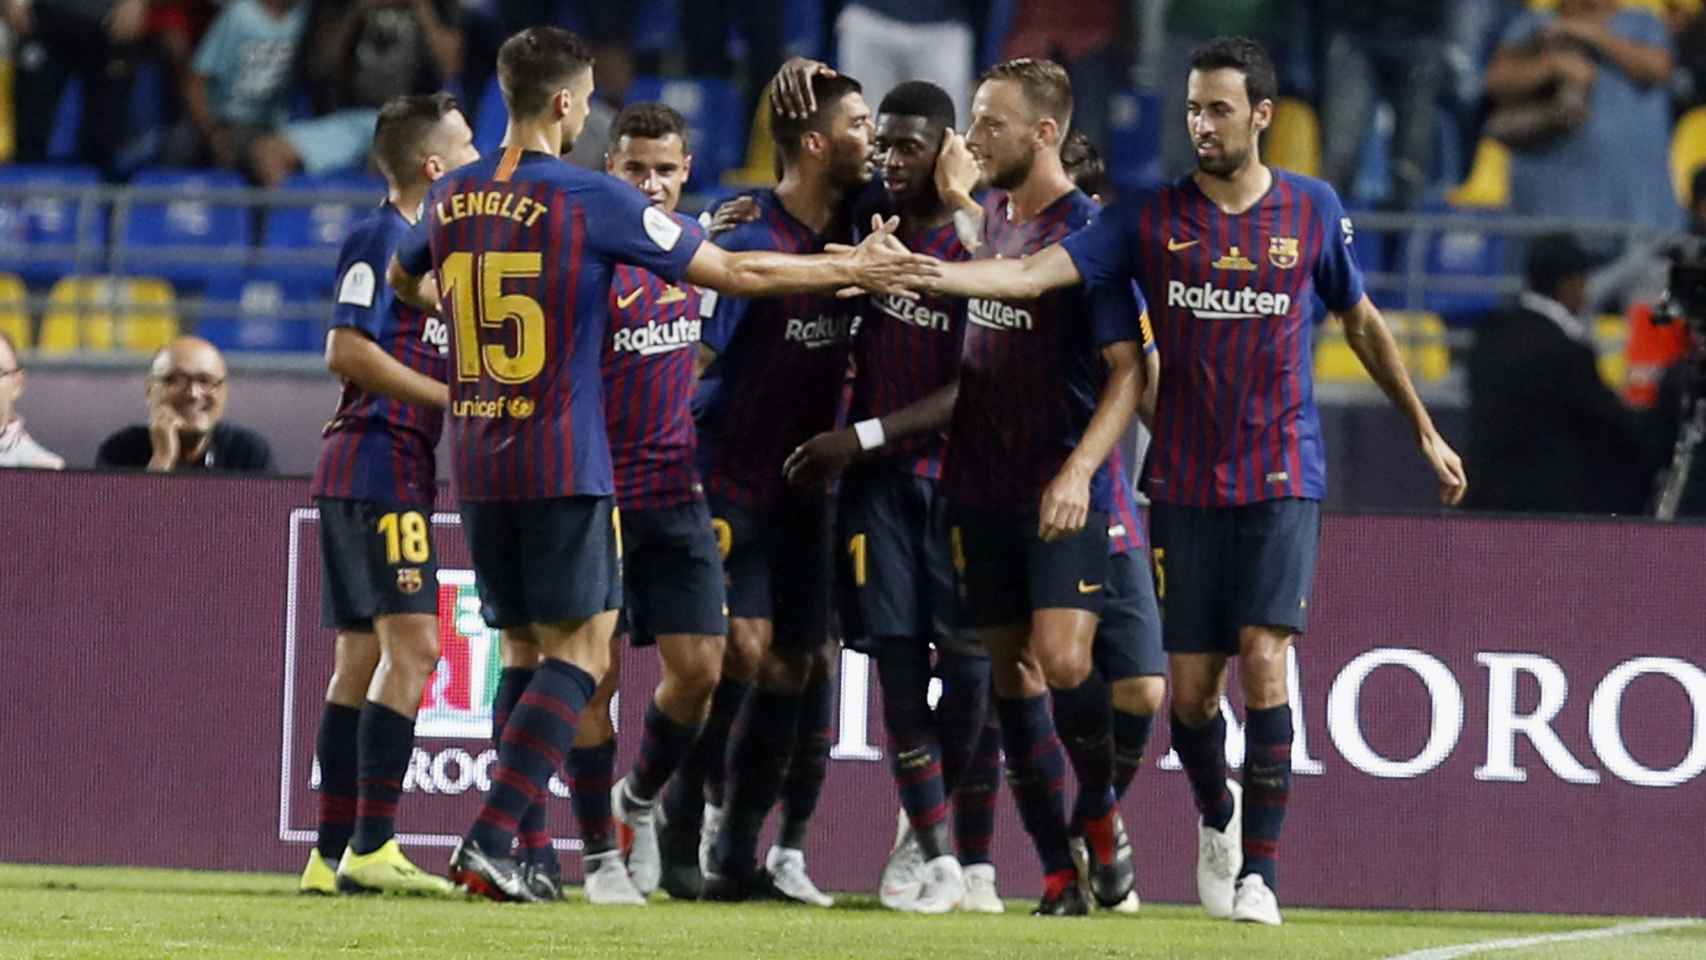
(1282, 252)
(520, 408)
(409, 580)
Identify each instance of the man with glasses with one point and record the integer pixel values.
(17, 449)
(185, 395)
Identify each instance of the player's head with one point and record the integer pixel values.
(911, 122)
(836, 137)
(648, 148)
(546, 76)
(11, 378)
(420, 138)
(1229, 101)
(1022, 108)
(1083, 163)
(188, 375)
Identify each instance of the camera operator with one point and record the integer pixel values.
(1678, 420)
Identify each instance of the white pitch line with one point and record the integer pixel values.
(1516, 943)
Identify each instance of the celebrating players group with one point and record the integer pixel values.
(890, 391)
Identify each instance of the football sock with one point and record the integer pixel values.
(974, 797)
(759, 751)
(512, 683)
(1083, 717)
(712, 756)
(335, 747)
(915, 756)
(1267, 787)
(385, 739)
(1036, 770)
(961, 712)
(1202, 752)
(1131, 736)
(539, 732)
(591, 771)
(663, 746)
(802, 785)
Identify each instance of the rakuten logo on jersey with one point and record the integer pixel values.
(822, 332)
(654, 337)
(1209, 302)
(434, 332)
(997, 315)
(913, 312)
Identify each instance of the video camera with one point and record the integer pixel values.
(1685, 286)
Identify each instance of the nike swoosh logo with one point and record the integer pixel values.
(1174, 246)
(623, 303)
(1088, 587)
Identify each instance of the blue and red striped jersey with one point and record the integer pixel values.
(779, 373)
(1031, 371)
(1235, 420)
(1125, 527)
(648, 387)
(904, 350)
(377, 448)
(524, 247)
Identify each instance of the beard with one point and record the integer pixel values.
(1013, 175)
(851, 171)
(1224, 166)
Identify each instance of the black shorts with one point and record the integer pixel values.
(896, 569)
(375, 561)
(672, 573)
(777, 566)
(544, 561)
(1128, 637)
(1006, 571)
(1219, 569)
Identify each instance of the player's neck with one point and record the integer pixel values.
(808, 198)
(408, 202)
(927, 212)
(1046, 184)
(538, 137)
(1239, 192)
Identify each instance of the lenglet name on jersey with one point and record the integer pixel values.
(490, 203)
(997, 315)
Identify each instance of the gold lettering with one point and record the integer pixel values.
(458, 206)
(538, 211)
(504, 211)
(443, 214)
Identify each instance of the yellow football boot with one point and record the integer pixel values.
(386, 870)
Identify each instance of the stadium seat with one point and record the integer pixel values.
(188, 239)
(1294, 139)
(656, 25)
(15, 310)
(298, 231)
(1610, 340)
(1421, 338)
(103, 313)
(1134, 139)
(711, 106)
(8, 113)
(490, 118)
(258, 315)
(760, 167)
(1488, 185)
(39, 224)
(1687, 151)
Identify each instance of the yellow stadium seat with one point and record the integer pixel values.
(1687, 151)
(760, 167)
(1489, 180)
(135, 314)
(14, 310)
(8, 112)
(1420, 336)
(1294, 139)
(1611, 336)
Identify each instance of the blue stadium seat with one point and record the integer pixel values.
(490, 118)
(67, 122)
(803, 32)
(1134, 139)
(656, 25)
(712, 108)
(29, 226)
(293, 230)
(258, 315)
(189, 239)
(1461, 253)
(1373, 249)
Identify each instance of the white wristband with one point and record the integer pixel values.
(870, 433)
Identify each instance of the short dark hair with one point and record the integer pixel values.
(403, 123)
(535, 63)
(1083, 163)
(1247, 57)
(652, 121)
(920, 98)
(828, 91)
(1047, 88)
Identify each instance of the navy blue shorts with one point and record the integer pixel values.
(672, 574)
(544, 561)
(896, 568)
(1006, 571)
(1128, 637)
(1219, 569)
(375, 561)
(777, 566)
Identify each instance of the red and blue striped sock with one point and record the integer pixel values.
(915, 755)
(532, 839)
(385, 739)
(761, 746)
(591, 772)
(1036, 770)
(1131, 736)
(538, 734)
(663, 746)
(1267, 788)
(335, 748)
(1202, 752)
(974, 797)
(1083, 717)
(802, 785)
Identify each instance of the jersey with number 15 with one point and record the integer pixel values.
(524, 246)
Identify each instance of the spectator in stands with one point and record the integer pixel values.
(186, 393)
(175, 28)
(886, 42)
(1087, 38)
(358, 56)
(1380, 49)
(17, 448)
(96, 40)
(1546, 434)
(1603, 157)
(239, 85)
(1687, 23)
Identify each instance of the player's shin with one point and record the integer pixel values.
(1267, 788)
(916, 756)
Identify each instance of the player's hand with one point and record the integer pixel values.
(957, 171)
(1066, 503)
(164, 422)
(791, 91)
(822, 458)
(882, 264)
(731, 214)
(1448, 467)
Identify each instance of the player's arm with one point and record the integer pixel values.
(1372, 341)
(880, 264)
(1027, 279)
(1066, 500)
(352, 355)
(417, 290)
(823, 457)
(1150, 387)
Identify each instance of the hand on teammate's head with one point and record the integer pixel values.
(791, 90)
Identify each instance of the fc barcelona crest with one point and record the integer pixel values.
(1282, 252)
(409, 580)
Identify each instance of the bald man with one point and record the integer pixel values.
(185, 395)
(17, 448)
